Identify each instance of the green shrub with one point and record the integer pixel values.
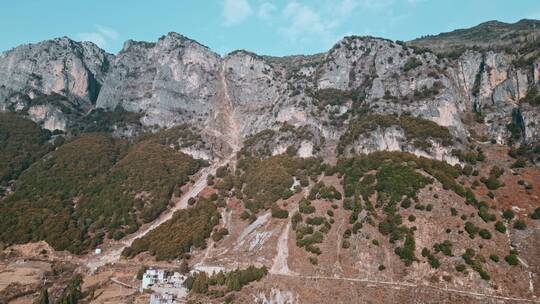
(305, 206)
(471, 229)
(475, 261)
(485, 234)
(315, 221)
(511, 259)
(532, 97)
(520, 225)
(295, 219)
(499, 226)
(508, 214)
(279, 213)
(411, 63)
(444, 247)
(406, 203)
(536, 214)
(322, 191)
(72, 293)
(485, 215)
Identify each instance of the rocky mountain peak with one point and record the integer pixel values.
(61, 67)
(178, 80)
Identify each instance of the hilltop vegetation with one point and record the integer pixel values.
(420, 132)
(221, 283)
(91, 188)
(22, 142)
(188, 227)
(100, 120)
(491, 34)
(261, 144)
(379, 187)
(263, 182)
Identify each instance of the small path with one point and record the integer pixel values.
(404, 284)
(114, 253)
(280, 264)
(337, 265)
(116, 281)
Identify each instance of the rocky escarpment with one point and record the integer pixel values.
(171, 81)
(478, 93)
(72, 71)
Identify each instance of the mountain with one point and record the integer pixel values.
(408, 166)
(491, 34)
(52, 80)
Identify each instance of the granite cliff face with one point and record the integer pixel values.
(170, 81)
(71, 72)
(177, 80)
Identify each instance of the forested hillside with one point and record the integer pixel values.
(91, 188)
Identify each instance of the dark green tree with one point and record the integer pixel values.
(43, 297)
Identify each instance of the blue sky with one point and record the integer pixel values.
(271, 27)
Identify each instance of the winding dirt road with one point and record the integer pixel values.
(114, 252)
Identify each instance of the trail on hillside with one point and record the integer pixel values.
(280, 264)
(114, 252)
(411, 285)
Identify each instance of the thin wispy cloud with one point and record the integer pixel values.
(236, 11)
(102, 36)
(416, 2)
(266, 11)
(375, 5)
(305, 24)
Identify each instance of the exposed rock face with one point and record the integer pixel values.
(51, 118)
(58, 66)
(394, 139)
(255, 87)
(172, 81)
(177, 80)
(61, 66)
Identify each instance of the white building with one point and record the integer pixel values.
(153, 277)
(166, 298)
(167, 286)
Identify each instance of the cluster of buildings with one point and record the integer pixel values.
(167, 287)
(166, 298)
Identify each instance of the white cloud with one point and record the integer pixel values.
(346, 7)
(376, 5)
(101, 36)
(415, 2)
(266, 11)
(305, 24)
(236, 11)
